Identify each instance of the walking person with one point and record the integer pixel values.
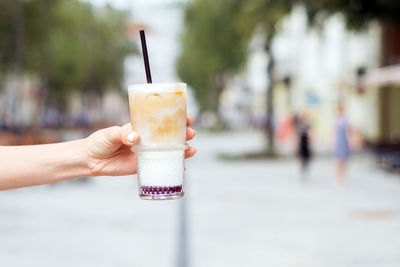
(303, 143)
(342, 146)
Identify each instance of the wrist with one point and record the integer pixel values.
(80, 159)
(61, 161)
(87, 157)
(92, 164)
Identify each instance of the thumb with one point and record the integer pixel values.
(117, 135)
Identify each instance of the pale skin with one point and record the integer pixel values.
(105, 152)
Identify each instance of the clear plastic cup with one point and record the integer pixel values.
(158, 114)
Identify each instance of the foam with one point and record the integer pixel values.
(160, 168)
(157, 87)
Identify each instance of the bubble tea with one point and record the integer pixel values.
(158, 114)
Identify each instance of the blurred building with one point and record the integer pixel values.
(18, 104)
(26, 119)
(316, 68)
(382, 86)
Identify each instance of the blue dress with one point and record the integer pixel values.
(342, 149)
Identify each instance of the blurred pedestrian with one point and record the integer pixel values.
(105, 152)
(342, 146)
(303, 130)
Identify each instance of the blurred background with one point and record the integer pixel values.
(297, 114)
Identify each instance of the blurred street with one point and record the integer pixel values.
(321, 77)
(240, 213)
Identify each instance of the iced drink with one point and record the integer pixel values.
(158, 114)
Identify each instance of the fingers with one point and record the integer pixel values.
(111, 135)
(117, 135)
(190, 152)
(189, 120)
(190, 133)
(129, 137)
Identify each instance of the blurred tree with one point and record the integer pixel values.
(67, 43)
(216, 35)
(213, 48)
(357, 12)
(11, 35)
(215, 42)
(265, 15)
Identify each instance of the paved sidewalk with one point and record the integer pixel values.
(258, 213)
(251, 213)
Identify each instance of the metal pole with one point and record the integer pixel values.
(182, 257)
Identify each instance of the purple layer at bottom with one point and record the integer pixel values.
(160, 190)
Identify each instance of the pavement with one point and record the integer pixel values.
(238, 213)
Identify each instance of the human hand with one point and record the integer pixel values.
(109, 150)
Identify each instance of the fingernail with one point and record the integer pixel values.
(131, 137)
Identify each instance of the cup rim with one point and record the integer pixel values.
(167, 86)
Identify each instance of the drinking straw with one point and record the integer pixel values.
(145, 56)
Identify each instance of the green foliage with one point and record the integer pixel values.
(67, 43)
(213, 47)
(357, 12)
(215, 41)
(216, 34)
(266, 15)
(6, 32)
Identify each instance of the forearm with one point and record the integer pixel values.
(42, 164)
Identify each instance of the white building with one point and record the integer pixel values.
(322, 64)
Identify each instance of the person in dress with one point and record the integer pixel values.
(342, 145)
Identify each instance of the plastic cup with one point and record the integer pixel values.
(158, 114)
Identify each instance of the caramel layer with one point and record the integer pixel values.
(160, 118)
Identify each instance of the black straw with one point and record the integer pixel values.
(145, 56)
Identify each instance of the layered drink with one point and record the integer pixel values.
(158, 114)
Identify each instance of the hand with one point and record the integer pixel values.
(109, 150)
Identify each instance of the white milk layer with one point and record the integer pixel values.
(160, 168)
